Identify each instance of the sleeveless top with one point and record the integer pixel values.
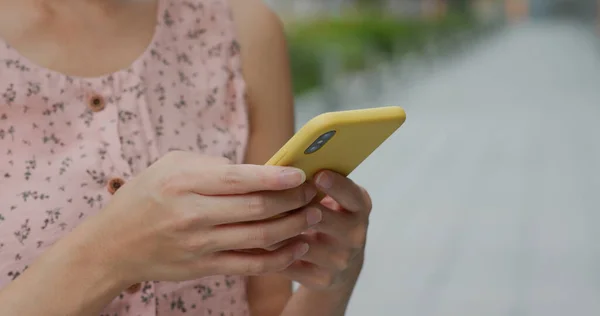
(68, 143)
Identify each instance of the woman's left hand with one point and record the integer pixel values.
(337, 243)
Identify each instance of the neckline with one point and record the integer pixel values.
(135, 64)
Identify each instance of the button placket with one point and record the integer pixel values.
(108, 115)
(114, 185)
(98, 104)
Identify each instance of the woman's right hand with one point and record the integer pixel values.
(185, 216)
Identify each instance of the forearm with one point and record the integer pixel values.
(307, 302)
(331, 302)
(65, 281)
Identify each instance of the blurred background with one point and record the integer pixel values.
(487, 201)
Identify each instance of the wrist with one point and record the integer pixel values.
(85, 252)
(351, 275)
(89, 261)
(330, 302)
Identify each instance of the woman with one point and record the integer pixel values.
(115, 196)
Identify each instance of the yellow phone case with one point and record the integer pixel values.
(357, 134)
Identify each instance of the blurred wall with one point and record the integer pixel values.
(423, 8)
(488, 10)
(522, 9)
(513, 10)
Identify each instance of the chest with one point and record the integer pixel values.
(127, 98)
(79, 39)
(65, 140)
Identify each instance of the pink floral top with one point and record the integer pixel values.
(67, 143)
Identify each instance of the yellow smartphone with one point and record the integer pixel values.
(339, 141)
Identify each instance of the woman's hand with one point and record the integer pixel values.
(337, 243)
(184, 216)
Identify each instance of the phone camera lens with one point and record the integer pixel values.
(312, 149)
(328, 135)
(319, 142)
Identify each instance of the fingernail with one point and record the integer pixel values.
(324, 180)
(310, 192)
(314, 216)
(301, 251)
(292, 177)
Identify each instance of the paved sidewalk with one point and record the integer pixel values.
(487, 202)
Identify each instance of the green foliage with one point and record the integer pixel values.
(352, 37)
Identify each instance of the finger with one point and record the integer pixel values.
(192, 173)
(328, 254)
(212, 160)
(324, 250)
(304, 237)
(244, 208)
(343, 190)
(331, 204)
(367, 198)
(347, 228)
(343, 229)
(266, 233)
(241, 179)
(243, 263)
(181, 156)
(263, 205)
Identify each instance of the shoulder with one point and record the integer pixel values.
(260, 32)
(264, 54)
(255, 22)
